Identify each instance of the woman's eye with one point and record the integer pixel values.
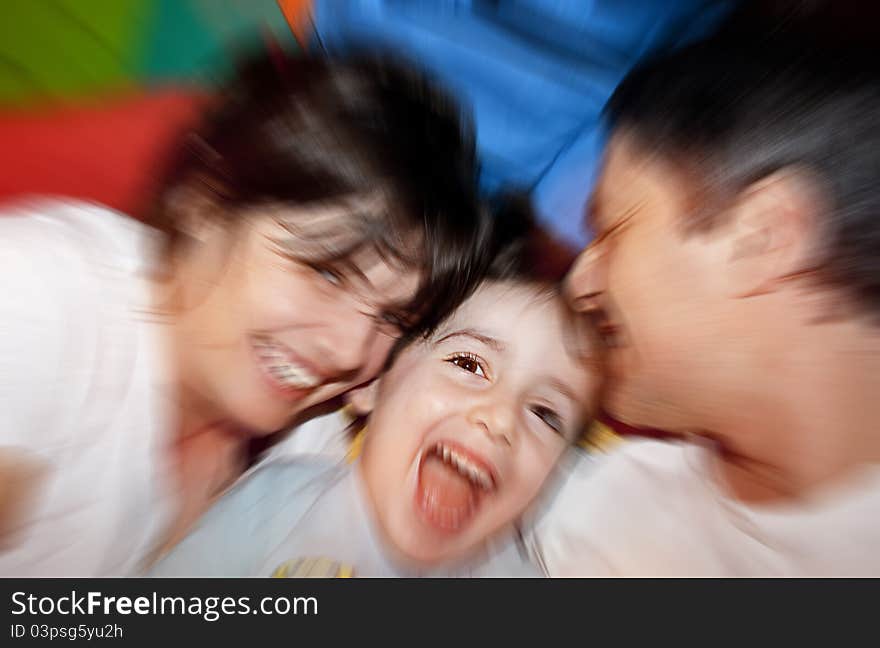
(468, 362)
(392, 319)
(329, 275)
(392, 323)
(550, 418)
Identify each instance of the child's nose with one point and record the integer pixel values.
(496, 418)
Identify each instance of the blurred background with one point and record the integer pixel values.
(71, 49)
(93, 93)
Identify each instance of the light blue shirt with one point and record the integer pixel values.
(308, 507)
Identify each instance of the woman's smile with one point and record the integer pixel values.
(284, 372)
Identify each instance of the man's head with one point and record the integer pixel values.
(739, 206)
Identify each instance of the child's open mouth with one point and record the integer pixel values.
(452, 483)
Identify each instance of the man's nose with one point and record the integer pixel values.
(585, 281)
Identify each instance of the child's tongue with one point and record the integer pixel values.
(446, 497)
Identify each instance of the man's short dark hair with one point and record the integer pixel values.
(730, 113)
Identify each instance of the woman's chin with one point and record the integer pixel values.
(259, 418)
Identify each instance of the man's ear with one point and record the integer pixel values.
(774, 235)
(363, 399)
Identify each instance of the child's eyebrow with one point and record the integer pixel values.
(488, 340)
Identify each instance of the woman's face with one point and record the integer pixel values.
(262, 336)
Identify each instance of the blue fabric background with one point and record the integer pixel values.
(536, 74)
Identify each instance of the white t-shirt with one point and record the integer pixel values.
(655, 509)
(80, 357)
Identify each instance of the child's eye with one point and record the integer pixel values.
(469, 362)
(550, 418)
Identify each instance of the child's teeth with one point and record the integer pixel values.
(464, 467)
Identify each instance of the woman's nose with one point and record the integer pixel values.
(348, 343)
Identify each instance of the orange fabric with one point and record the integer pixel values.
(298, 14)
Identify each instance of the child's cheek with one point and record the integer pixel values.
(437, 405)
(536, 464)
(400, 387)
(442, 397)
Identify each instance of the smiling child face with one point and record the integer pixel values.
(467, 425)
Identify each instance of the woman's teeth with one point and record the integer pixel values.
(275, 360)
(463, 465)
(290, 375)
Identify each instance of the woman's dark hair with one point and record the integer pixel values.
(365, 133)
(733, 110)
